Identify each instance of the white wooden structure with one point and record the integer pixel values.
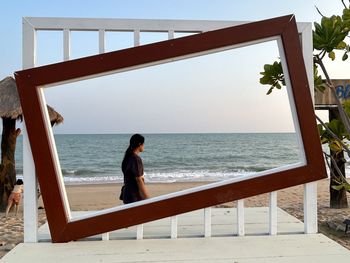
(30, 27)
(289, 246)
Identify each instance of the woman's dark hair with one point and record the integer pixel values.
(135, 141)
(19, 182)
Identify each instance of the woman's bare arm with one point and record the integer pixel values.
(142, 188)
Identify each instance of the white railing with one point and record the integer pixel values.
(207, 221)
(30, 27)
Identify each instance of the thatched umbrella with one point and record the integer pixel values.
(10, 111)
(10, 106)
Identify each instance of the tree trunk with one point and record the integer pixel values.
(338, 198)
(7, 167)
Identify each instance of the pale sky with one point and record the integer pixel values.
(214, 93)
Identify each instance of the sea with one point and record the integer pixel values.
(96, 158)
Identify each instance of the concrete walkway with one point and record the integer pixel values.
(288, 246)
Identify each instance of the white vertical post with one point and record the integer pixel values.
(170, 34)
(30, 202)
(66, 44)
(307, 47)
(136, 37)
(207, 222)
(310, 189)
(173, 227)
(310, 208)
(139, 232)
(105, 236)
(240, 218)
(273, 213)
(101, 41)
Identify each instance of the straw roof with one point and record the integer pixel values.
(10, 106)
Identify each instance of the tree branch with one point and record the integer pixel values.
(335, 178)
(318, 10)
(344, 4)
(334, 135)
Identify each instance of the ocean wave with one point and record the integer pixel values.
(92, 180)
(165, 174)
(83, 172)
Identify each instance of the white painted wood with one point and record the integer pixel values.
(53, 148)
(310, 208)
(105, 236)
(170, 34)
(273, 214)
(30, 200)
(301, 151)
(30, 25)
(310, 189)
(139, 232)
(305, 31)
(207, 222)
(28, 44)
(191, 225)
(102, 40)
(66, 44)
(149, 25)
(249, 249)
(240, 218)
(174, 223)
(136, 37)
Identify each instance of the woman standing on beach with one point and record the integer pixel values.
(132, 167)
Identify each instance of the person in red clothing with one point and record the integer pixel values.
(134, 188)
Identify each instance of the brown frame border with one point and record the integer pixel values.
(30, 81)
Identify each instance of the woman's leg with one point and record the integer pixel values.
(9, 205)
(17, 208)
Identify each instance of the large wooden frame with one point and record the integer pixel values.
(31, 82)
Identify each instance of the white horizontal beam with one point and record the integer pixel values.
(111, 24)
(145, 25)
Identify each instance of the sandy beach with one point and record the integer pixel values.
(96, 197)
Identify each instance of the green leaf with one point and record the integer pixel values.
(319, 84)
(269, 91)
(346, 106)
(346, 16)
(341, 45)
(341, 186)
(337, 127)
(331, 55)
(320, 129)
(347, 186)
(345, 56)
(273, 76)
(335, 146)
(337, 187)
(330, 34)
